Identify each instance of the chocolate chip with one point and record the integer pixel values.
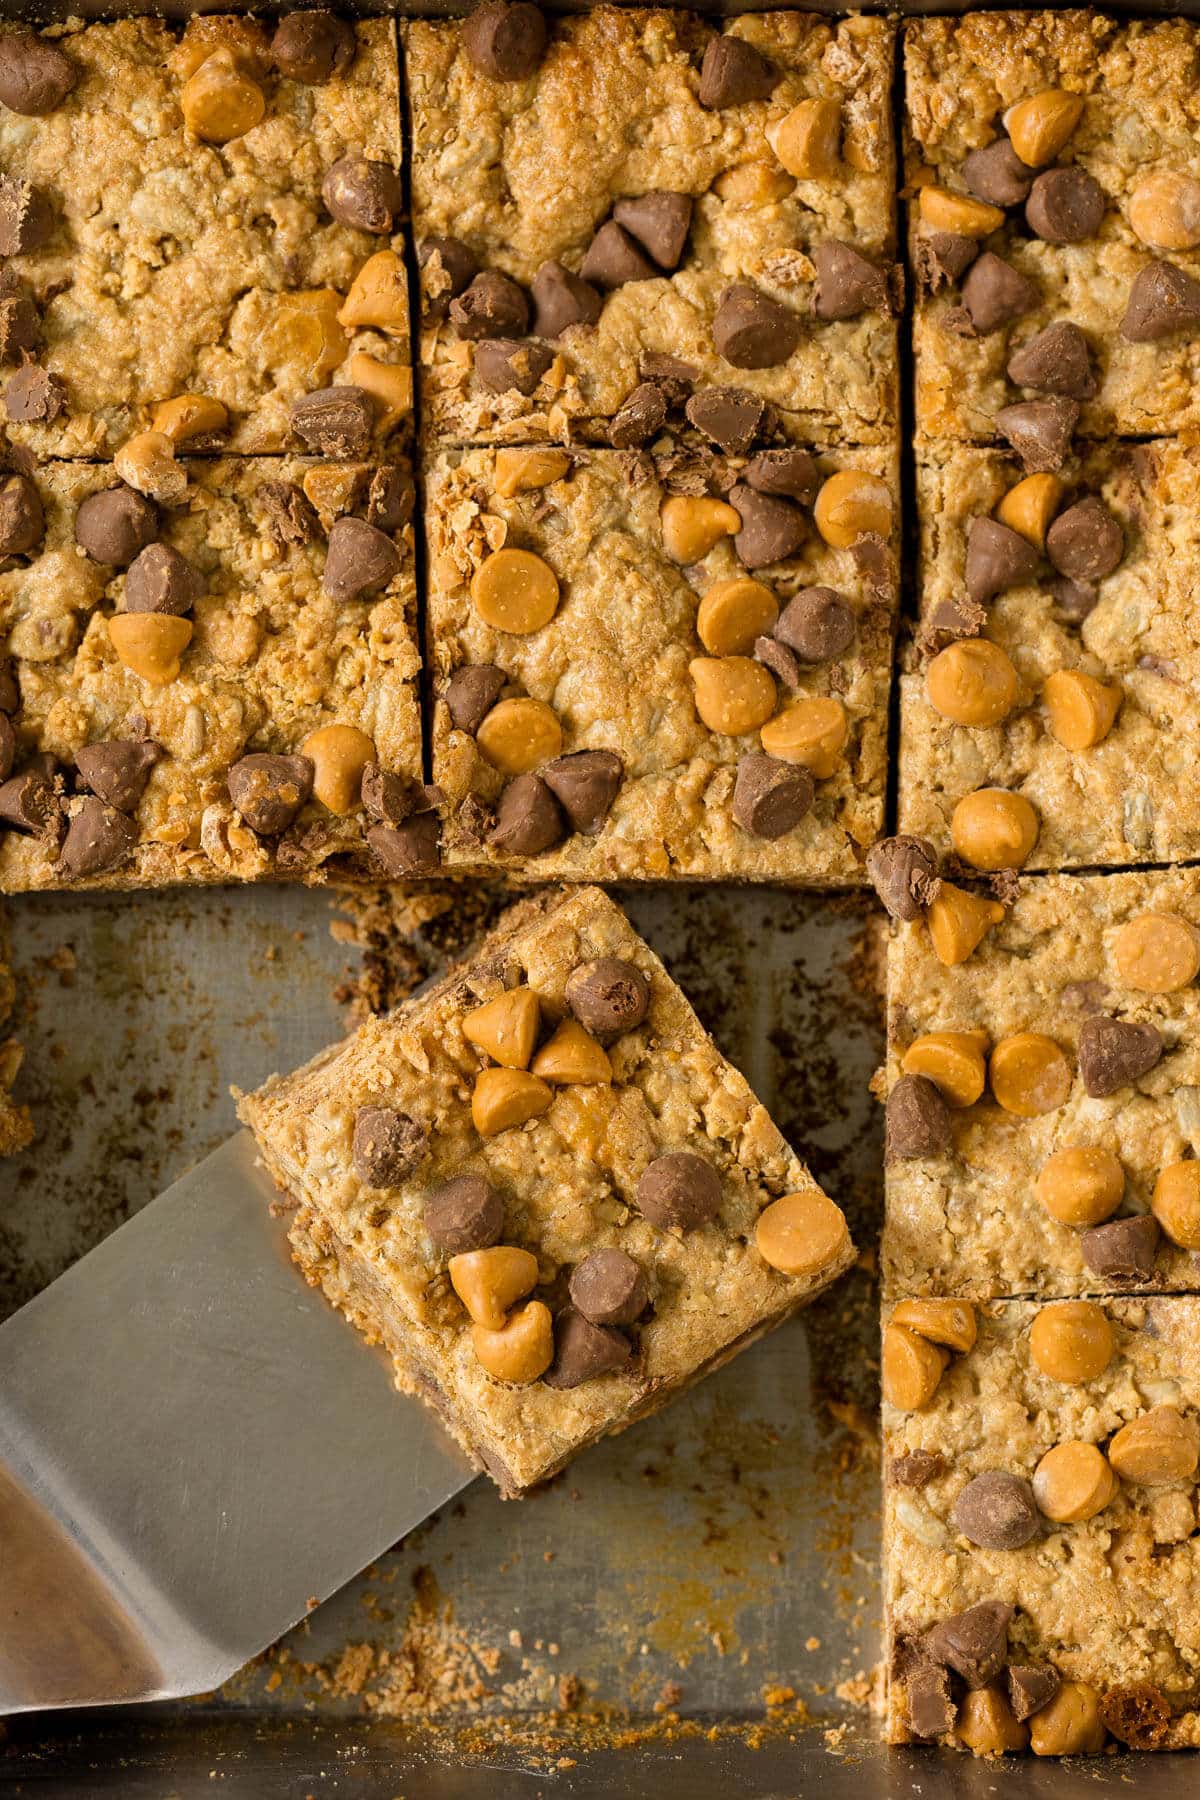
(20, 327)
(771, 529)
(22, 521)
(471, 694)
(10, 692)
(670, 373)
(334, 421)
(752, 331)
(507, 364)
(917, 1468)
(1030, 1687)
(770, 797)
(994, 293)
(269, 791)
(360, 560)
(1122, 1250)
(973, 1643)
(159, 580)
(26, 217)
(562, 299)
(8, 746)
(918, 1120)
(817, 624)
(413, 848)
(679, 1190)
(387, 1145)
(734, 72)
(363, 194)
(660, 222)
(115, 525)
(98, 839)
(35, 395)
(582, 1351)
(1065, 206)
(391, 497)
(493, 306)
(291, 519)
(929, 1703)
(448, 266)
(792, 473)
(1074, 599)
(312, 47)
(1162, 301)
(903, 872)
(35, 76)
(464, 1214)
(1137, 1715)
(1055, 361)
(505, 42)
(997, 174)
(608, 1288)
(615, 257)
(728, 416)
(996, 1511)
(1115, 1052)
(28, 802)
(608, 996)
(528, 818)
(1086, 541)
(782, 662)
(641, 418)
(1039, 431)
(388, 797)
(943, 257)
(847, 283)
(118, 770)
(998, 558)
(585, 784)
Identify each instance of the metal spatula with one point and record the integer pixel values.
(194, 1450)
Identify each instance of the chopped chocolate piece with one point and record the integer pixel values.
(642, 417)
(503, 364)
(34, 394)
(997, 1511)
(20, 327)
(973, 1643)
(448, 266)
(943, 257)
(998, 558)
(360, 560)
(388, 797)
(22, 521)
(583, 1350)
(115, 525)
(792, 473)
(10, 693)
(1122, 1250)
(729, 416)
(388, 1145)
(660, 221)
(918, 1120)
(1115, 1052)
(118, 770)
(1137, 1715)
(1055, 361)
(528, 818)
(670, 373)
(1065, 206)
(505, 42)
(608, 1288)
(817, 624)
(1030, 1687)
(903, 872)
(614, 257)
(782, 662)
(26, 217)
(1075, 599)
(994, 293)
(561, 299)
(608, 996)
(8, 746)
(28, 802)
(98, 838)
(949, 620)
(585, 784)
(159, 580)
(366, 195)
(929, 1703)
(847, 282)
(269, 791)
(1162, 301)
(1039, 431)
(771, 529)
(413, 848)
(493, 306)
(471, 694)
(680, 1191)
(997, 174)
(917, 1468)
(734, 72)
(1086, 542)
(770, 797)
(313, 47)
(464, 1214)
(334, 421)
(35, 75)
(752, 331)
(290, 517)
(390, 497)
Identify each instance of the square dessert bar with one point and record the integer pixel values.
(542, 1187)
(170, 226)
(1056, 160)
(16, 1126)
(636, 679)
(1044, 1095)
(644, 187)
(1078, 695)
(215, 690)
(1041, 1530)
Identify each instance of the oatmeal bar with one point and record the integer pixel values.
(1044, 1096)
(218, 690)
(648, 190)
(1094, 231)
(1041, 1542)
(16, 1126)
(635, 679)
(1078, 696)
(166, 230)
(544, 1189)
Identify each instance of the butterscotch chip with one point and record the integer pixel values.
(959, 921)
(572, 1055)
(505, 1028)
(1176, 1203)
(953, 1061)
(1159, 1446)
(518, 470)
(692, 524)
(1081, 1186)
(987, 1725)
(523, 1347)
(1038, 127)
(1080, 710)
(1073, 1482)
(378, 295)
(190, 416)
(1164, 210)
(994, 829)
(942, 210)
(807, 139)
(489, 1282)
(811, 731)
(505, 1098)
(1029, 1074)
(339, 754)
(947, 1322)
(146, 462)
(390, 386)
(1070, 1725)
(150, 644)
(1157, 953)
(515, 591)
(519, 735)
(221, 101)
(800, 1234)
(912, 1368)
(972, 683)
(1030, 506)
(852, 504)
(1071, 1341)
(734, 694)
(733, 613)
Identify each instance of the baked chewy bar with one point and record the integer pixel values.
(542, 1187)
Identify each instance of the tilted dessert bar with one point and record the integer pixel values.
(627, 188)
(1040, 1521)
(542, 1187)
(16, 1126)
